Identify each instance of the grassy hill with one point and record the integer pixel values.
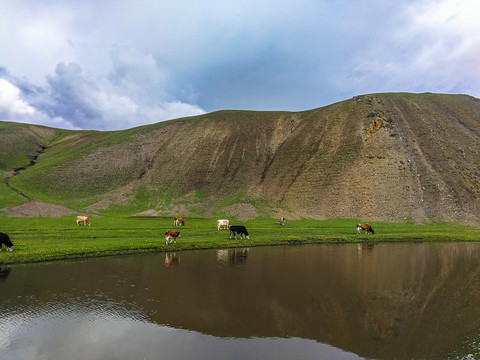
(379, 157)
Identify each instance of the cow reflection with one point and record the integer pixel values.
(4, 272)
(232, 256)
(364, 249)
(171, 259)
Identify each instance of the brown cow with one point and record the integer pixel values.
(83, 219)
(365, 227)
(172, 236)
(178, 221)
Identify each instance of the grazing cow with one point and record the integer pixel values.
(178, 221)
(172, 236)
(282, 221)
(83, 219)
(225, 223)
(241, 230)
(365, 227)
(5, 240)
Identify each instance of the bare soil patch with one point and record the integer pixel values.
(37, 209)
(242, 212)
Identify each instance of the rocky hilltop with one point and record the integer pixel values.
(389, 157)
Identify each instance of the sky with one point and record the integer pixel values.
(118, 64)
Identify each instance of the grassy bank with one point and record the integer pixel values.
(47, 239)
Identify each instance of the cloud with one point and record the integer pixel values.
(12, 106)
(115, 64)
(130, 96)
(427, 46)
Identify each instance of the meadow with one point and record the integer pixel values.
(49, 239)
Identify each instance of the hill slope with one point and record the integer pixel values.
(376, 157)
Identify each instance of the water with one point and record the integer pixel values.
(387, 301)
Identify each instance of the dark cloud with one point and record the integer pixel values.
(74, 99)
(74, 96)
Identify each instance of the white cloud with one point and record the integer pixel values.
(12, 105)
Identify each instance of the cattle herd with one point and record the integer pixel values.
(171, 236)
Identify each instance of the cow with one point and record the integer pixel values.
(282, 221)
(172, 236)
(225, 223)
(365, 227)
(178, 221)
(5, 240)
(83, 219)
(238, 229)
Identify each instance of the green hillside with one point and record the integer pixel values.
(383, 157)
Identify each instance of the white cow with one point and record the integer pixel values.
(225, 223)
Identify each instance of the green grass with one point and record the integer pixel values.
(48, 239)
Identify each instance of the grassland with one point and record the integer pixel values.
(48, 239)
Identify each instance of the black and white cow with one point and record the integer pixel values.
(5, 240)
(238, 229)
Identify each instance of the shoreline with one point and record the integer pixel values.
(40, 240)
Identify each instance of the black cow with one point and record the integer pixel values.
(5, 240)
(238, 229)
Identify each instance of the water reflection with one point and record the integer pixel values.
(4, 272)
(232, 256)
(388, 301)
(171, 259)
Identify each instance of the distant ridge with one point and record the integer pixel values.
(388, 157)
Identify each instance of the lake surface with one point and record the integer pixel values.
(385, 301)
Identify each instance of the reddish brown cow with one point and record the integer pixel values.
(178, 221)
(365, 227)
(172, 236)
(83, 219)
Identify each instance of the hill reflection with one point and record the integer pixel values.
(388, 301)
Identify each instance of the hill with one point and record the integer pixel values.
(388, 157)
